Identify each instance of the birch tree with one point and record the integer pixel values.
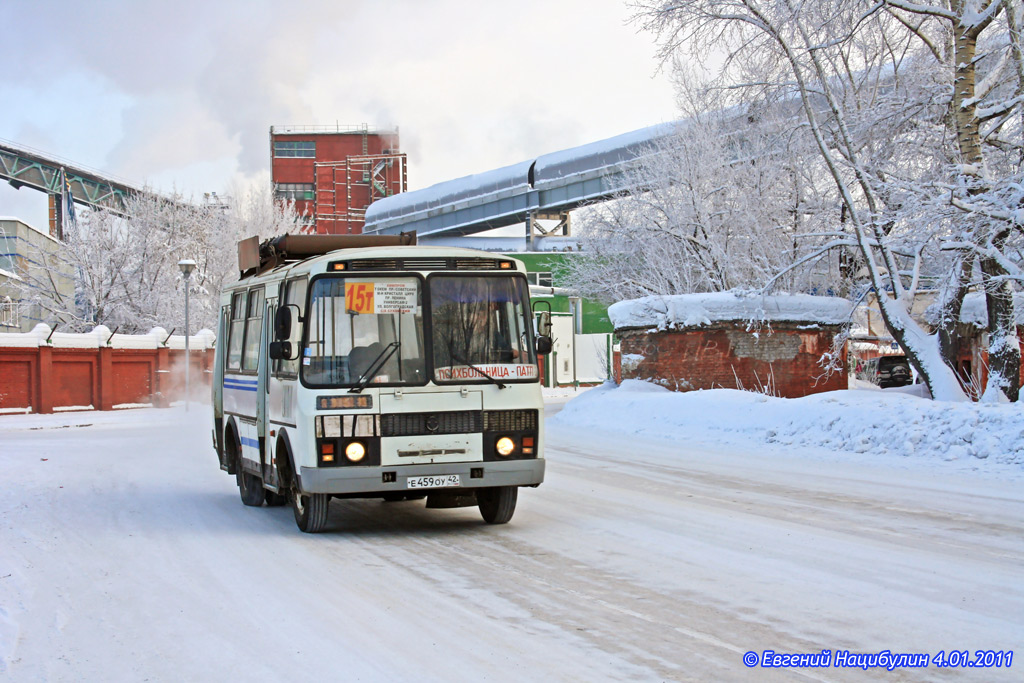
(985, 189)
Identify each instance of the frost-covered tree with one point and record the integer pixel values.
(913, 111)
(722, 203)
(125, 268)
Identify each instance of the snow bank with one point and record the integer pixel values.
(694, 310)
(862, 424)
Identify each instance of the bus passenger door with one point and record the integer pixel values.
(219, 360)
(262, 377)
(283, 378)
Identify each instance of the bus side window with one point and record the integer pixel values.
(237, 330)
(253, 322)
(295, 294)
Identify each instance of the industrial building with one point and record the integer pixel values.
(332, 173)
(30, 260)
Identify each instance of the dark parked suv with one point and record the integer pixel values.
(890, 371)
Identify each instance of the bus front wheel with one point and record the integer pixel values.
(497, 503)
(310, 510)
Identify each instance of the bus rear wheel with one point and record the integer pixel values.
(275, 499)
(310, 510)
(250, 488)
(497, 504)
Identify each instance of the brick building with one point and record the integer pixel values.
(772, 344)
(972, 363)
(333, 173)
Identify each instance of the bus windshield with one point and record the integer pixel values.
(480, 325)
(351, 324)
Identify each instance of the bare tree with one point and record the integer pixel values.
(880, 91)
(125, 269)
(719, 205)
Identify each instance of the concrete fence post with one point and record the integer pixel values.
(162, 379)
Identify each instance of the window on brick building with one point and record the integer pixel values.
(294, 191)
(295, 148)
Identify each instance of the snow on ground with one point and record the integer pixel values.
(859, 424)
(557, 395)
(673, 533)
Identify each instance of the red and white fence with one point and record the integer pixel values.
(44, 371)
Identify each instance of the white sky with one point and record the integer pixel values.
(182, 95)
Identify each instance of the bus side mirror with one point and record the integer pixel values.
(544, 324)
(283, 321)
(281, 350)
(543, 345)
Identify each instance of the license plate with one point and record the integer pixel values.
(435, 482)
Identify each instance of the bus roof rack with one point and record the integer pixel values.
(255, 257)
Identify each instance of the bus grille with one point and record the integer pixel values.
(475, 264)
(510, 420)
(419, 424)
(374, 264)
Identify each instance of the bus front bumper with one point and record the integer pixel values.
(396, 478)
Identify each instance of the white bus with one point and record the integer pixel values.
(360, 367)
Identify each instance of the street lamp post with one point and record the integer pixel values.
(187, 266)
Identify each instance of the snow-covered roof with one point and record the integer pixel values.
(695, 310)
(975, 311)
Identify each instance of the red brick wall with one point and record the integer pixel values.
(73, 377)
(16, 373)
(351, 191)
(976, 352)
(783, 361)
(45, 378)
(132, 381)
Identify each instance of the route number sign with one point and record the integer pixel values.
(380, 297)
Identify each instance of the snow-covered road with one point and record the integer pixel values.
(125, 554)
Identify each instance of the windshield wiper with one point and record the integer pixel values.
(375, 367)
(493, 380)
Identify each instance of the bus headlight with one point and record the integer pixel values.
(355, 451)
(505, 446)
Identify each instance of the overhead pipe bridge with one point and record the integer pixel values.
(22, 167)
(547, 187)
